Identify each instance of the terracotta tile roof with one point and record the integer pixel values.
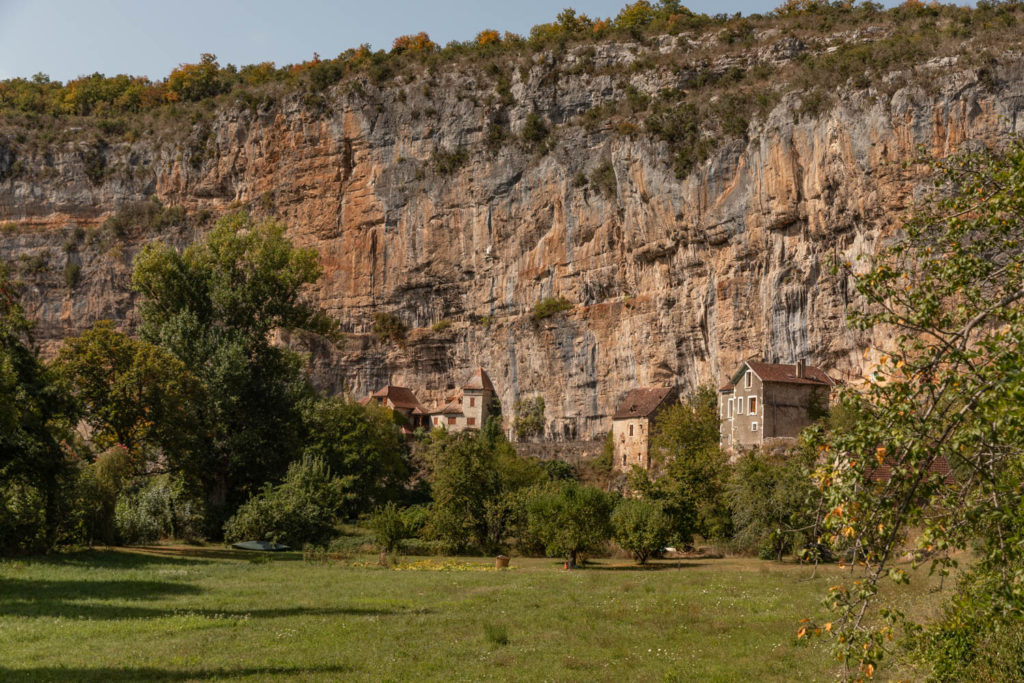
(365, 401)
(786, 373)
(643, 402)
(400, 397)
(453, 408)
(728, 386)
(883, 473)
(480, 381)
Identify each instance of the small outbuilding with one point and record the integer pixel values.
(632, 422)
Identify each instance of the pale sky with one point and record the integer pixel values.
(70, 38)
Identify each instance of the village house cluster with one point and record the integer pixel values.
(468, 407)
(762, 404)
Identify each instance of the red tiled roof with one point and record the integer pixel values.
(786, 373)
(400, 397)
(728, 386)
(480, 381)
(643, 402)
(883, 473)
(453, 408)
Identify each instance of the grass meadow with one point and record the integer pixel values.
(180, 613)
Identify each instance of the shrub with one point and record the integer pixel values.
(147, 215)
(603, 178)
(389, 328)
(529, 417)
(446, 163)
(22, 518)
(441, 325)
(72, 273)
(388, 525)
(302, 509)
(156, 509)
(641, 527)
(535, 130)
(549, 306)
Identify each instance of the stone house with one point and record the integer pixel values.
(469, 408)
(404, 402)
(769, 403)
(632, 422)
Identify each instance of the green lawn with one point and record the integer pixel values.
(200, 614)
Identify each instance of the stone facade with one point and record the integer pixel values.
(470, 408)
(632, 423)
(766, 403)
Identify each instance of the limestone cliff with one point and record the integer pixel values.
(419, 208)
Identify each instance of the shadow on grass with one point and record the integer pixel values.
(81, 600)
(56, 673)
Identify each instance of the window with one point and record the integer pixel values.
(623, 459)
(748, 380)
(451, 420)
(472, 401)
(470, 421)
(752, 405)
(739, 406)
(631, 430)
(753, 426)
(729, 407)
(435, 420)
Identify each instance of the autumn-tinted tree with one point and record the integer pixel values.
(191, 82)
(947, 299)
(130, 392)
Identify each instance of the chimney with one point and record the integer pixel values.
(801, 369)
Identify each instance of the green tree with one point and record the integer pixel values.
(684, 443)
(641, 526)
(773, 502)
(213, 306)
(34, 419)
(192, 82)
(569, 519)
(947, 299)
(362, 444)
(464, 478)
(130, 392)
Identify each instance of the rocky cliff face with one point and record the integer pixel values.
(418, 210)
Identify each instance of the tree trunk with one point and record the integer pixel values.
(572, 560)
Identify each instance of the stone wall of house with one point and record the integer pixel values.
(632, 440)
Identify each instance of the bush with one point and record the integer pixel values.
(72, 274)
(549, 306)
(22, 518)
(535, 131)
(529, 417)
(147, 215)
(641, 527)
(388, 524)
(156, 509)
(446, 163)
(302, 509)
(603, 178)
(389, 328)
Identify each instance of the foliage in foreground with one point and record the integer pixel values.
(949, 389)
